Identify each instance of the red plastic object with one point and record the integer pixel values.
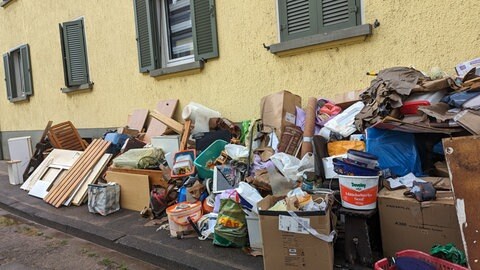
(440, 264)
(411, 107)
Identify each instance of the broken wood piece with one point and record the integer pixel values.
(138, 118)
(174, 125)
(37, 156)
(186, 134)
(157, 128)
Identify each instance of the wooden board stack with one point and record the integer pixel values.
(80, 170)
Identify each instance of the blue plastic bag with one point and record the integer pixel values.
(395, 150)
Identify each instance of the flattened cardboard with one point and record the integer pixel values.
(438, 111)
(287, 250)
(134, 189)
(408, 224)
(470, 120)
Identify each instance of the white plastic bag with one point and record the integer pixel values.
(291, 167)
(250, 194)
(236, 152)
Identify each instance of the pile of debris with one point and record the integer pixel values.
(309, 176)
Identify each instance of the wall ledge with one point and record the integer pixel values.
(71, 89)
(322, 41)
(180, 69)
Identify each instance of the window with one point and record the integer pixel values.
(18, 73)
(301, 18)
(74, 56)
(175, 35)
(305, 23)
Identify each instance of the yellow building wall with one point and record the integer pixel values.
(424, 34)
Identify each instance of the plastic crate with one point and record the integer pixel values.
(440, 264)
(211, 153)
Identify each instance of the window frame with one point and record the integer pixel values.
(164, 38)
(19, 73)
(151, 60)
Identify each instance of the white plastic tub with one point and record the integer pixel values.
(358, 192)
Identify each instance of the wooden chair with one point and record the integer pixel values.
(65, 136)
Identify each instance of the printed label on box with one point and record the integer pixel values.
(289, 224)
(290, 117)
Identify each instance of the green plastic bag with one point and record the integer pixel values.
(231, 227)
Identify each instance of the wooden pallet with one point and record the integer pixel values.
(77, 173)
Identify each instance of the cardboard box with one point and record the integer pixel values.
(289, 250)
(466, 66)
(278, 110)
(408, 224)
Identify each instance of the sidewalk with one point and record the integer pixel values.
(124, 231)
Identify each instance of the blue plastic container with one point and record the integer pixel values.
(348, 167)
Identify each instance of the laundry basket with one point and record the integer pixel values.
(440, 264)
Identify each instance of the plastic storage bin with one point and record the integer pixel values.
(209, 154)
(384, 264)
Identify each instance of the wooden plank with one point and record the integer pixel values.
(174, 125)
(72, 184)
(138, 118)
(157, 128)
(463, 162)
(80, 167)
(134, 189)
(96, 171)
(76, 167)
(155, 176)
(185, 135)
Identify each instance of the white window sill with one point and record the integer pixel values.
(322, 41)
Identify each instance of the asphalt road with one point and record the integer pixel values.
(28, 245)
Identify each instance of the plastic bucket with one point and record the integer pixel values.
(358, 192)
(178, 214)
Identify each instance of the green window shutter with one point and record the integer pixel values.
(75, 53)
(298, 18)
(144, 27)
(27, 70)
(338, 14)
(204, 26)
(64, 56)
(8, 75)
